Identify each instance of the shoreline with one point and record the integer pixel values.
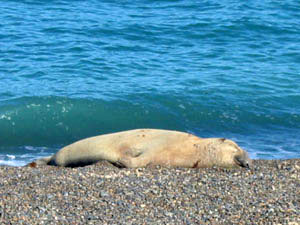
(104, 194)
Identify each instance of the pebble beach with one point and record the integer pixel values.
(269, 193)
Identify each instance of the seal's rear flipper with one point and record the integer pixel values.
(32, 164)
(42, 161)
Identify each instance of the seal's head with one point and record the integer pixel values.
(243, 160)
(229, 154)
(236, 154)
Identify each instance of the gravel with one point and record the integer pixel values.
(269, 193)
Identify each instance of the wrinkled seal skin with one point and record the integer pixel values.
(143, 147)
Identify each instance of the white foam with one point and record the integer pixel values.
(5, 117)
(181, 106)
(12, 163)
(30, 148)
(11, 156)
(30, 154)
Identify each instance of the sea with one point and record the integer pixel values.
(75, 69)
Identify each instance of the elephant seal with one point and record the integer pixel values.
(143, 147)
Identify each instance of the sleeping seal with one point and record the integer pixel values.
(143, 147)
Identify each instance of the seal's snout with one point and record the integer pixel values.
(243, 161)
(247, 165)
(248, 162)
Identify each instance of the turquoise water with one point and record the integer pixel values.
(73, 69)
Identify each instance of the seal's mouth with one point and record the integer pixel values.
(241, 161)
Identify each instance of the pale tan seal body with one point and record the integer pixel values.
(143, 147)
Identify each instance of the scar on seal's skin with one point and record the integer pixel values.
(195, 165)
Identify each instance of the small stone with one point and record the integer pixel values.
(103, 194)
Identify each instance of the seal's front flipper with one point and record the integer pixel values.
(133, 152)
(126, 162)
(41, 161)
(140, 160)
(119, 164)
